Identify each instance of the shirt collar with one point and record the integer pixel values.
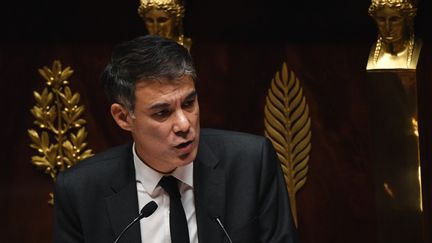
(184, 174)
(150, 178)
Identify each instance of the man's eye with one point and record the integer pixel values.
(162, 113)
(188, 103)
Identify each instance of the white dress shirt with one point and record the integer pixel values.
(156, 228)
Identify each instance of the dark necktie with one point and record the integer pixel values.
(178, 222)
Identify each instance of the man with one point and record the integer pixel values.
(230, 183)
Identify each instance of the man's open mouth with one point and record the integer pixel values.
(183, 145)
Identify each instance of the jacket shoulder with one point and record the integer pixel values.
(101, 163)
(231, 137)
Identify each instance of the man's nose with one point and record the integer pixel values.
(181, 123)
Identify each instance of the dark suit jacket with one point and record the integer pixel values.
(237, 177)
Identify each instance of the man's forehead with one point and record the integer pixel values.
(165, 82)
(154, 93)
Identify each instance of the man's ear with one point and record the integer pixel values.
(121, 116)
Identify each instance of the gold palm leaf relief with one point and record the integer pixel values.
(288, 126)
(60, 135)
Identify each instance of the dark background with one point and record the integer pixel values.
(237, 46)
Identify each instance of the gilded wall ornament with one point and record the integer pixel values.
(164, 18)
(396, 46)
(288, 126)
(60, 135)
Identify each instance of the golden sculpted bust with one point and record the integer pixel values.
(164, 18)
(396, 46)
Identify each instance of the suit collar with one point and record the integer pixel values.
(209, 189)
(122, 204)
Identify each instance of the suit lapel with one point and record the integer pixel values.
(122, 205)
(209, 184)
(209, 195)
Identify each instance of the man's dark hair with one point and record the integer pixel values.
(145, 58)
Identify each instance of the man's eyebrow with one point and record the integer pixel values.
(191, 95)
(161, 106)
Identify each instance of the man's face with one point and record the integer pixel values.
(391, 24)
(165, 123)
(158, 22)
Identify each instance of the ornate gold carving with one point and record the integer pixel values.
(407, 5)
(288, 126)
(57, 115)
(171, 6)
(164, 18)
(410, 50)
(396, 46)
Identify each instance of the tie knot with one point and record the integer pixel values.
(170, 185)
